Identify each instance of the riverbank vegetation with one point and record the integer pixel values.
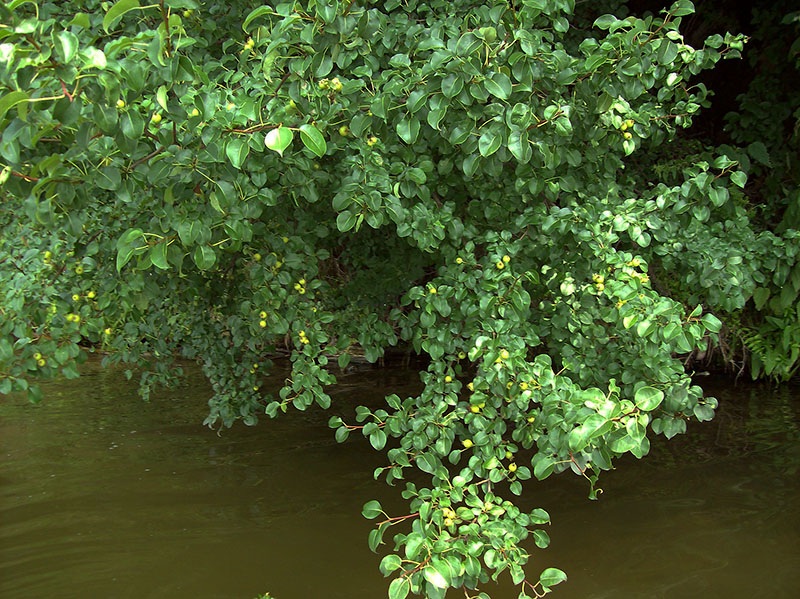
(507, 188)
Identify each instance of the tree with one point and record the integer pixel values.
(227, 182)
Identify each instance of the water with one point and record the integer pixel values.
(102, 495)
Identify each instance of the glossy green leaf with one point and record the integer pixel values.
(551, 577)
(238, 149)
(158, 255)
(371, 510)
(66, 45)
(648, 398)
(10, 100)
(204, 257)
(278, 139)
(489, 142)
(117, 10)
(399, 588)
(313, 140)
(408, 129)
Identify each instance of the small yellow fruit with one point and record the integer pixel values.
(509, 455)
(41, 362)
(467, 443)
(470, 386)
(509, 384)
(120, 104)
(302, 281)
(262, 323)
(79, 270)
(255, 366)
(627, 135)
(461, 355)
(512, 467)
(302, 291)
(230, 106)
(188, 13)
(523, 385)
(531, 419)
(107, 330)
(48, 255)
(91, 295)
(372, 141)
(504, 354)
(344, 130)
(323, 83)
(630, 123)
(448, 522)
(194, 112)
(155, 119)
(500, 264)
(75, 297)
(302, 333)
(448, 379)
(37, 356)
(482, 405)
(262, 315)
(474, 409)
(623, 126)
(257, 257)
(252, 371)
(459, 260)
(506, 258)
(600, 286)
(336, 85)
(255, 387)
(432, 290)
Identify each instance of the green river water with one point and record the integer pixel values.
(104, 496)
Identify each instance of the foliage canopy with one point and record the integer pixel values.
(226, 182)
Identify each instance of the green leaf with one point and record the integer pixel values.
(499, 85)
(10, 100)
(117, 10)
(390, 563)
(371, 510)
(648, 398)
(108, 177)
(188, 230)
(489, 142)
(161, 96)
(261, 10)
(66, 46)
(605, 22)
(126, 245)
(238, 149)
(551, 577)
(434, 577)
(204, 256)
(408, 129)
(519, 146)
(712, 323)
(158, 255)
(739, 178)
(278, 139)
(346, 220)
(399, 588)
(758, 151)
(313, 140)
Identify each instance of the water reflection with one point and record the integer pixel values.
(102, 495)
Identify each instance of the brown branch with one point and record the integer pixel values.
(155, 152)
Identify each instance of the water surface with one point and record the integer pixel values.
(102, 495)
